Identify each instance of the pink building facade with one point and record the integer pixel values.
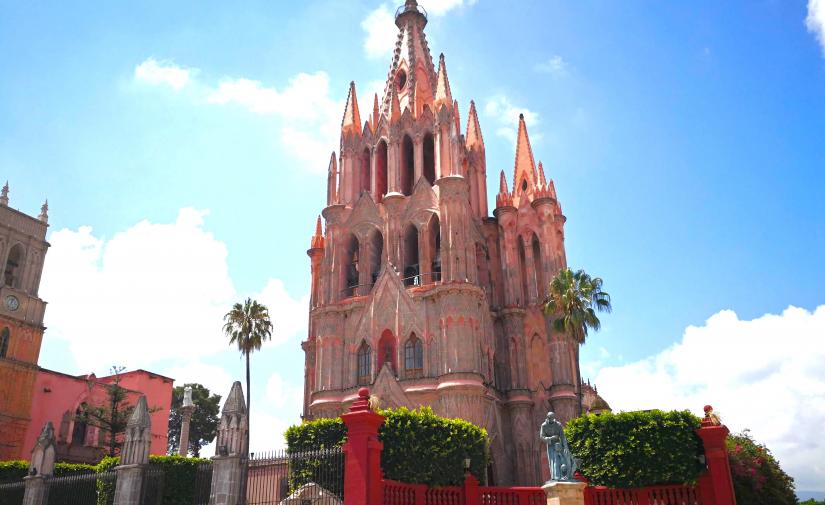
(57, 397)
(416, 290)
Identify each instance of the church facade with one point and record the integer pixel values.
(420, 294)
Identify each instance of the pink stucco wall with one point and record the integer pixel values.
(56, 393)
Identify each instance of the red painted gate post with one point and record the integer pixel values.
(362, 466)
(718, 479)
(472, 494)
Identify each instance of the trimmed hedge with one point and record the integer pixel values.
(15, 470)
(179, 477)
(636, 449)
(419, 446)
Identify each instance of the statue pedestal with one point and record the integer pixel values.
(564, 493)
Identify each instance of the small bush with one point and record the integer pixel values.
(636, 449)
(419, 446)
(13, 471)
(757, 477)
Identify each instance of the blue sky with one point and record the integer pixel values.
(685, 140)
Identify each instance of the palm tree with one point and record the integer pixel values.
(248, 325)
(574, 299)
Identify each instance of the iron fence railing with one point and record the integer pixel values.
(203, 484)
(296, 478)
(12, 493)
(81, 489)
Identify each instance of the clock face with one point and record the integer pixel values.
(12, 303)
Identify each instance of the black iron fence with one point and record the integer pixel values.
(12, 493)
(82, 489)
(298, 478)
(203, 484)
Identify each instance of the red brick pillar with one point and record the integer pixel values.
(362, 468)
(717, 482)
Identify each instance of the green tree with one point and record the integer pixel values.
(572, 303)
(111, 416)
(811, 501)
(204, 424)
(757, 477)
(248, 325)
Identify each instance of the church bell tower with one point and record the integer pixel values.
(22, 251)
(416, 291)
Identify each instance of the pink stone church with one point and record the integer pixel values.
(416, 290)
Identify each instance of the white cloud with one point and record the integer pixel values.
(381, 32)
(215, 378)
(164, 72)
(311, 118)
(766, 374)
(151, 293)
(506, 117)
(815, 21)
(555, 66)
(441, 7)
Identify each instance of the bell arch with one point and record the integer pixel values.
(13, 273)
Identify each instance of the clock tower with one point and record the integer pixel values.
(22, 251)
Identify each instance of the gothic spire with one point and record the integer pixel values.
(542, 179)
(473, 137)
(4, 194)
(411, 71)
(317, 241)
(374, 117)
(443, 95)
(395, 107)
(332, 180)
(352, 118)
(524, 172)
(502, 183)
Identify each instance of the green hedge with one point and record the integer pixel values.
(419, 446)
(635, 449)
(179, 478)
(15, 470)
(757, 477)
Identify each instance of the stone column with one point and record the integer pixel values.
(41, 467)
(229, 460)
(134, 456)
(363, 483)
(186, 411)
(564, 493)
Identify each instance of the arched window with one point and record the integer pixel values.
(351, 267)
(538, 265)
(364, 176)
(407, 165)
(80, 427)
(411, 267)
(522, 263)
(413, 357)
(13, 274)
(364, 369)
(5, 335)
(380, 171)
(376, 250)
(435, 249)
(386, 350)
(429, 158)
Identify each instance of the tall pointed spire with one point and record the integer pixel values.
(542, 179)
(352, 117)
(332, 180)
(503, 198)
(473, 137)
(524, 172)
(4, 194)
(374, 117)
(502, 183)
(317, 239)
(443, 95)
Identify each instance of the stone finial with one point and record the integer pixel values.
(44, 212)
(4, 194)
(352, 116)
(233, 425)
(43, 454)
(317, 241)
(138, 436)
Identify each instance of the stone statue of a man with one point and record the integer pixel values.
(562, 466)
